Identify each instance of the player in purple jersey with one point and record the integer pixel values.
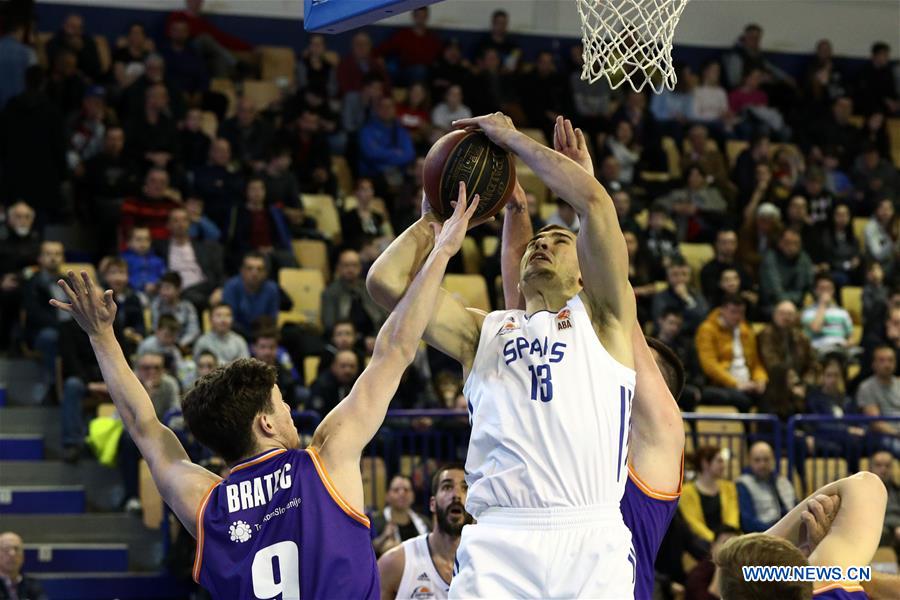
(285, 523)
(855, 507)
(656, 444)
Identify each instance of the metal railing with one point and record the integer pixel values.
(733, 432)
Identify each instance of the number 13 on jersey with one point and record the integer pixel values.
(541, 383)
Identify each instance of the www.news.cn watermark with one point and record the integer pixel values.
(807, 573)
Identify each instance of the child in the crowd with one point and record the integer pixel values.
(201, 227)
(165, 341)
(224, 343)
(169, 302)
(130, 309)
(144, 267)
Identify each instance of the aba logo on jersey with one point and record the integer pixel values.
(510, 324)
(239, 531)
(564, 319)
(422, 593)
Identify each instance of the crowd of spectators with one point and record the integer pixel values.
(191, 197)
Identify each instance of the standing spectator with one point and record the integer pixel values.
(786, 272)
(413, 49)
(879, 395)
(128, 60)
(783, 342)
(42, 321)
(359, 63)
(763, 495)
(333, 385)
(72, 37)
(33, 149)
(153, 207)
(726, 258)
(876, 88)
(398, 522)
(185, 66)
(144, 267)
(836, 130)
(220, 186)
(880, 236)
(224, 343)
(451, 109)
(385, 146)
(726, 348)
(826, 324)
(14, 583)
(709, 501)
(17, 57)
(109, 177)
(265, 348)
(130, 310)
(199, 263)
(747, 54)
(500, 41)
(346, 297)
(882, 464)
(249, 135)
(251, 294)
(216, 45)
(262, 229)
(169, 302)
(151, 134)
(681, 296)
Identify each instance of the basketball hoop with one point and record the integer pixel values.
(629, 40)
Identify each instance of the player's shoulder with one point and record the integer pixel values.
(394, 560)
(840, 591)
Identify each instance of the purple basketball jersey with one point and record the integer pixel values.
(839, 592)
(277, 528)
(647, 514)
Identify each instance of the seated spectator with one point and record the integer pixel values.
(881, 463)
(837, 247)
(415, 115)
(169, 302)
(144, 268)
(879, 395)
(225, 344)
(151, 209)
(880, 235)
(876, 88)
(129, 308)
(81, 377)
(199, 263)
(646, 130)
(673, 108)
(726, 247)
(710, 101)
(333, 385)
(220, 186)
(359, 107)
(874, 295)
(821, 201)
(624, 213)
(697, 208)
(670, 332)
(679, 295)
(730, 285)
(783, 342)
(266, 349)
(282, 188)
(413, 49)
(258, 228)
(763, 495)
(785, 394)
(451, 109)
(128, 59)
(364, 221)
(709, 501)
(346, 298)
(42, 321)
(385, 146)
(748, 93)
(163, 391)
(133, 99)
(316, 69)
(20, 244)
(151, 133)
(703, 580)
(343, 337)
(72, 37)
(193, 140)
(251, 294)
(786, 272)
(249, 135)
(16, 584)
(874, 178)
(398, 522)
(201, 228)
(640, 274)
(700, 151)
(217, 46)
(564, 216)
(206, 363)
(829, 398)
(726, 348)
(836, 180)
(164, 341)
(358, 64)
(827, 325)
(86, 129)
(796, 217)
(661, 241)
(109, 177)
(311, 156)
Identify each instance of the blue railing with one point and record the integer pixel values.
(734, 432)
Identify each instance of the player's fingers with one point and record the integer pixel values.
(579, 139)
(108, 298)
(557, 144)
(570, 133)
(473, 206)
(816, 509)
(63, 306)
(88, 285)
(809, 520)
(76, 284)
(826, 502)
(64, 284)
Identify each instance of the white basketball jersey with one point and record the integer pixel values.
(421, 579)
(550, 412)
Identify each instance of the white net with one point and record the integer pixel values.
(629, 40)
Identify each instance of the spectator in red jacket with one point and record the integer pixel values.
(357, 64)
(151, 208)
(411, 50)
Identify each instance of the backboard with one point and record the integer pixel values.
(335, 16)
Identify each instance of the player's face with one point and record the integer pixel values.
(448, 503)
(552, 255)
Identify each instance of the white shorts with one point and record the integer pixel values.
(545, 553)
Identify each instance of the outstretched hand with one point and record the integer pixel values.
(495, 125)
(94, 310)
(450, 234)
(570, 142)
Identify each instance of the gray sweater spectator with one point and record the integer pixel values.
(225, 344)
(786, 272)
(763, 496)
(346, 298)
(879, 395)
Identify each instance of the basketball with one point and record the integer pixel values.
(487, 169)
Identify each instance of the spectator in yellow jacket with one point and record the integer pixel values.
(709, 501)
(726, 349)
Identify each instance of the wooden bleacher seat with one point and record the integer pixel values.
(225, 86)
(696, 255)
(374, 477)
(893, 129)
(106, 409)
(205, 321)
(209, 123)
(312, 254)
(886, 557)
(733, 149)
(712, 409)
(821, 470)
(489, 245)
(277, 61)
(851, 300)
(471, 256)
(724, 434)
(661, 286)
(794, 478)
(305, 287)
(321, 208)
(261, 93)
(859, 227)
(310, 369)
(150, 499)
(470, 289)
(103, 52)
(673, 157)
(342, 174)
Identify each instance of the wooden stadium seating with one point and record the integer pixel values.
(209, 123)
(321, 208)
(374, 477)
(531, 182)
(312, 254)
(758, 327)
(893, 129)
(225, 86)
(489, 245)
(148, 321)
(277, 61)
(820, 471)
(851, 300)
(696, 255)
(310, 369)
(859, 227)
(305, 287)
(262, 93)
(733, 149)
(886, 558)
(106, 409)
(342, 174)
(673, 157)
(150, 498)
(79, 267)
(712, 409)
(470, 289)
(205, 321)
(471, 256)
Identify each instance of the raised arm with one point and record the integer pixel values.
(181, 483)
(517, 232)
(341, 437)
(602, 254)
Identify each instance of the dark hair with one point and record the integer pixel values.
(220, 408)
(207, 353)
(114, 261)
(255, 254)
(168, 322)
(499, 13)
(436, 478)
(677, 261)
(171, 277)
(822, 276)
(732, 299)
(752, 27)
(765, 550)
(668, 312)
(264, 332)
(669, 365)
(880, 47)
(704, 454)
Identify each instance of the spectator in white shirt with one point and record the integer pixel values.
(710, 100)
(827, 325)
(451, 109)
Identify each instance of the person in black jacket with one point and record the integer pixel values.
(20, 244)
(13, 584)
(333, 386)
(130, 313)
(72, 37)
(199, 262)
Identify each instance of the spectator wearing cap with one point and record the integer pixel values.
(679, 295)
(786, 272)
(72, 38)
(876, 87)
(13, 583)
(169, 302)
(86, 129)
(783, 342)
(826, 324)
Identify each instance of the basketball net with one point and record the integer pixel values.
(629, 40)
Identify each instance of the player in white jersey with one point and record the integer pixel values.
(549, 392)
(422, 567)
